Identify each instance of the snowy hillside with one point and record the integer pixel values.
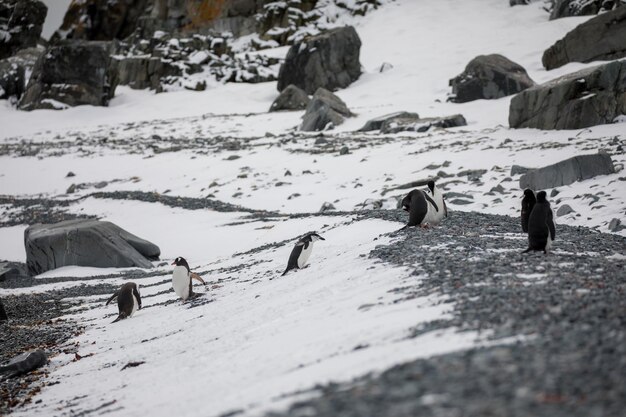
(255, 342)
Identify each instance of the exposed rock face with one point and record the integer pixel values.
(85, 243)
(601, 38)
(411, 122)
(489, 77)
(377, 123)
(566, 172)
(24, 363)
(13, 72)
(21, 22)
(566, 8)
(585, 98)
(144, 72)
(329, 60)
(9, 270)
(325, 111)
(3, 313)
(70, 74)
(291, 98)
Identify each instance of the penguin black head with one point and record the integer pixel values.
(529, 193)
(431, 186)
(541, 197)
(180, 261)
(314, 237)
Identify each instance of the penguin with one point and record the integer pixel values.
(528, 202)
(301, 252)
(182, 278)
(541, 230)
(128, 300)
(426, 208)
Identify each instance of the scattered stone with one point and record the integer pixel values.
(566, 8)
(489, 77)
(132, 365)
(24, 363)
(70, 174)
(321, 141)
(377, 123)
(71, 189)
(329, 60)
(497, 189)
(554, 192)
(291, 98)
(85, 243)
(518, 2)
(287, 173)
(582, 99)
(21, 23)
(566, 172)
(327, 207)
(443, 174)
(459, 202)
(384, 67)
(371, 204)
(472, 174)
(564, 210)
(516, 170)
(602, 38)
(458, 195)
(101, 184)
(325, 111)
(233, 157)
(294, 195)
(409, 123)
(615, 225)
(344, 151)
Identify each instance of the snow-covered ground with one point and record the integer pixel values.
(262, 339)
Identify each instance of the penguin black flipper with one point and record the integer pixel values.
(293, 258)
(418, 208)
(431, 201)
(115, 294)
(528, 202)
(137, 296)
(551, 224)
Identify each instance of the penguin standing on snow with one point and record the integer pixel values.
(301, 252)
(528, 202)
(182, 278)
(541, 230)
(128, 300)
(425, 207)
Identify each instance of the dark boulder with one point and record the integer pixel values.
(329, 60)
(13, 72)
(21, 22)
(566, 8)
(589, 97)
(70, 74)
(10, 270)
(566, 172)
(291, 98)
(24, 363)
(85, 243)
(325, 111)
(377, 123)
(602, 38)
(409, 123)
(139, 72)
(489, 77)
(3, 313)
(518, 2)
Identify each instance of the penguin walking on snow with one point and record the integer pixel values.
(302, 251)
(541, 230)
(528, 202)
(426, 208)
(182, 278)
(128, 300)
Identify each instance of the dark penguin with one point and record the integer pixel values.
(182, 278)
(128, 300)
(528, 202)
(541, 231)
(424, 207)
(301, 252)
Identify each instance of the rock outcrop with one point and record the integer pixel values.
(85, 243)
(566, 8)
(324, 112)
(601, 38)
(21, 22)
(567, 172)
(13, 71)
(291, 98)
(24, 363)
(489, 77)
(10, 270)
(411, 122)
(329, 60)
(71, 73)
(378, 122)
(585, 98)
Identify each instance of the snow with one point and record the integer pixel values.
(54, 18)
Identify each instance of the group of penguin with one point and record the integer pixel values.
(426, 208)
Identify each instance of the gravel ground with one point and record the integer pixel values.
(569, 307)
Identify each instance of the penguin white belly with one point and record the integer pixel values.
(135, 306)
(180, 282)
(548, 242)
(304, 255)
(431, 215)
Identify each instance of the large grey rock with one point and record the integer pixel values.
(3, 313)
(291, 98)
(566, 8)
(329, 60)
(21, 22)
(489, 77)
(325, 111)
(70, 74)
(566, 172)
(85, 243)
(9, 270)
(139, 72)
(409, 123)
(564, 210)
(602, 38)
(377, 123)
(585, 98)
(13, 72)
(24, 363)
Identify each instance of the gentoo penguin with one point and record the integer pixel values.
(541, 231)
(301, 252)
(128, 300)
(528, 202)
(425, 207)
(182, 277)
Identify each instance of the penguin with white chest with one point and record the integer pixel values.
(541, 229)
(128, 300)
(302, 251)
(426, 208)
(528, 202)
(182, 278)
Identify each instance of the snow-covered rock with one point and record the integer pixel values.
(324, 111)
(20, 25)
